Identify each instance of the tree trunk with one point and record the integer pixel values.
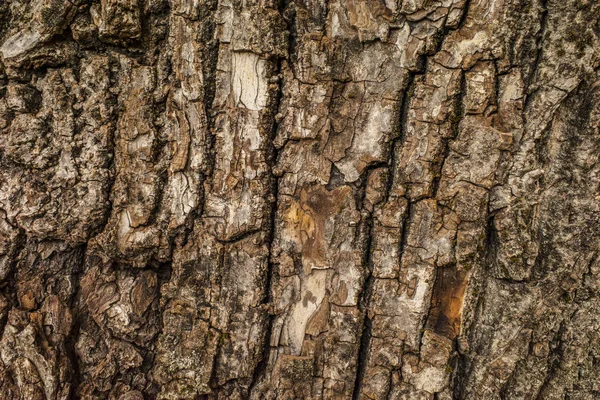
(329, 199)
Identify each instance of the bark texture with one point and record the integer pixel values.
(301, 199)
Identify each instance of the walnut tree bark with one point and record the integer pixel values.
(299, 199)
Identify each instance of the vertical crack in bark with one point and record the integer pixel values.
(261, 368)
(539, 42)
(9, 285)
(554, 360)
(289, 16)
(465, 13)
(112, 168)
(164, 271)
(209, 72)
(398, 141)
(71, 340)
(365, 339)
(457, 116)
(367, 262)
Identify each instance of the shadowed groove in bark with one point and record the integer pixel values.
(71, 340)
(209, 72)
(365, 338)
(395, 145)
(285, 9)
(112, 173)
(554, 359)
(398, 141)
(539, 42)
(456, 116)
(261, 368)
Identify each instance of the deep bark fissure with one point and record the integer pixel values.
(261, 367)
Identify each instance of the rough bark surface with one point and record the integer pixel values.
(303, 199)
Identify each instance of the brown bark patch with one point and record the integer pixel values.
(447, 302)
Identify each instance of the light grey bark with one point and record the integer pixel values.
(329, 199)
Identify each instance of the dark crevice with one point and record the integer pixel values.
(490, 246)
(366, 293)
(557, 348)
(238, 237)
(71, 339)
(406, 222)
(163, 272)
(213, 380)
(363, 305)
(364, 348)
(530, 80)
(390, 387)
(261, 368)
(209, 77)
(8, 287)
(111, 167)
(465, 12)
(398, 141)
(456, 116)
(336, 178)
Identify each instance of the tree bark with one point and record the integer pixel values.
(328, 199)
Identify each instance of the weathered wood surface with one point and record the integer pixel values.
(321, 199)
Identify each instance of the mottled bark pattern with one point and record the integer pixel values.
(320, 199)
